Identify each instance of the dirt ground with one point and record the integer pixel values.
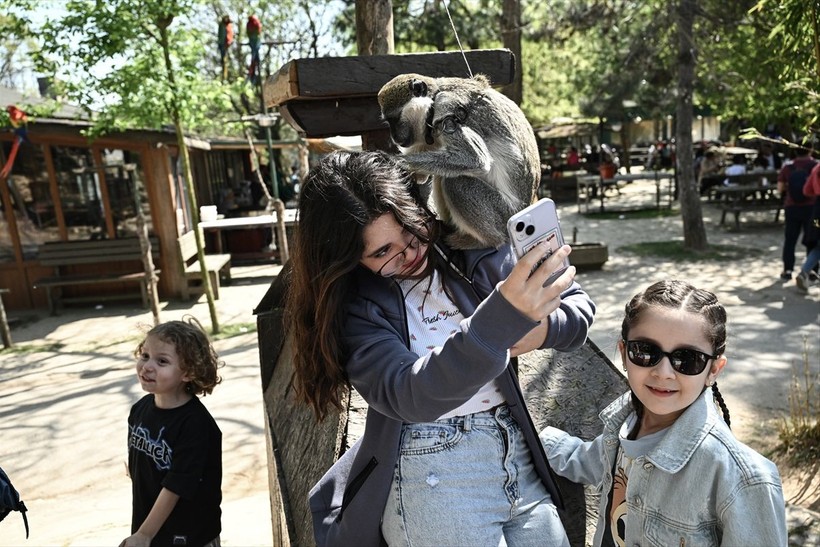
(63, 411)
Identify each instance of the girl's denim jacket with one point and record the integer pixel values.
(699, 486)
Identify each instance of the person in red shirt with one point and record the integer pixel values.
(797, 211)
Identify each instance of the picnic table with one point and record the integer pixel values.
(595, 185)
(740, 198)
(219, 226)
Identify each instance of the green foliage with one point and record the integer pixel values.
(234, 329)
(122, 74)
(800, 432)
(15, 27)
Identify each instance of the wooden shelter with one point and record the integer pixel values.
(65, 188)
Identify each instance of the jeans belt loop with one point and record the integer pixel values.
(468, 422)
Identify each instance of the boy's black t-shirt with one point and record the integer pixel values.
(179, 449)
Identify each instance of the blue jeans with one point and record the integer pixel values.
(811, 260)
(797, 219)
(469, 480)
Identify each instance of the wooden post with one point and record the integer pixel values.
(4, 323)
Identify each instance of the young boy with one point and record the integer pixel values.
(174, 445)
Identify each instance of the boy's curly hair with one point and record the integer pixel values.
(197, 357)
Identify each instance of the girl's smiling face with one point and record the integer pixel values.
(664, 392)
(159, 372)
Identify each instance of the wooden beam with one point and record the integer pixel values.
(338, 77)
(326, 118)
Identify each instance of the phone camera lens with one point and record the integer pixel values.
(530, 230)
(519, 226)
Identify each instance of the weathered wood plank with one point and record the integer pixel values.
(326, 118)
(335, 77)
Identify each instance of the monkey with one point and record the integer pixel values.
(475, 143)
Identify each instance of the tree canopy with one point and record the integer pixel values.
(756, 60)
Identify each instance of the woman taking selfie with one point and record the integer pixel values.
(425, 334)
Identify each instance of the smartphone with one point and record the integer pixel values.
(532, 225)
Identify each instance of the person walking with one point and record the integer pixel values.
(797, 209)
(808, 272)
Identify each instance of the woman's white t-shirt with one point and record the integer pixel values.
(431, 319)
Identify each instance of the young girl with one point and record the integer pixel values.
(377, 303)
(174, 445)
(667, 467)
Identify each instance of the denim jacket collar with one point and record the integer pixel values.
(686, 434)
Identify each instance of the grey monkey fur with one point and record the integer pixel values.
(477, 145)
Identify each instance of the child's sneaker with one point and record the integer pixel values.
(786, 275)
(802, 281)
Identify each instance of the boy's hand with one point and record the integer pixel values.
(136, 540)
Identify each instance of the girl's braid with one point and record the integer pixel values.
(719, 398)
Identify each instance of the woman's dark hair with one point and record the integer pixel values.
(197, 357)
(680, 295)
(344, 193)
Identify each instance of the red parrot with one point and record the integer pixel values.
(254, 30)
(18, 121)
(224, 41)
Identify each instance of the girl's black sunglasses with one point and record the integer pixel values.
(686, 361)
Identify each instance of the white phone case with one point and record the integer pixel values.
(534, 224)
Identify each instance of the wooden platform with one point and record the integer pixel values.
(328, 96)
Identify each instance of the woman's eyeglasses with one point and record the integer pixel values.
(396, 263)
(686, 361)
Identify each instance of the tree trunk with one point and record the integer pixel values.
(145, 246)
(374, 36)
(189, 179)
(374, 27)
(694, 232)
(511, 38)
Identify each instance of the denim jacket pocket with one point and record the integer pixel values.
(663, 532)
(429, 438)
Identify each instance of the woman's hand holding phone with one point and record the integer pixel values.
(531, 294)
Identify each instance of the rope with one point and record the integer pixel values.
(458, 40)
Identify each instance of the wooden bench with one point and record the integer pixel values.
(217, 265)
(746, 193)
(83, 262)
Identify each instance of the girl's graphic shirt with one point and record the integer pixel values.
(179, 449)
(628, 452)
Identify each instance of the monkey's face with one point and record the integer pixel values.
(405, 101)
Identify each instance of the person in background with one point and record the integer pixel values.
(667, 465)
(808, 272)
(174, 445)
(710, 165)
(424, 334)
(573, 159)
(797, 209)
(773, 160)
(737, 167)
